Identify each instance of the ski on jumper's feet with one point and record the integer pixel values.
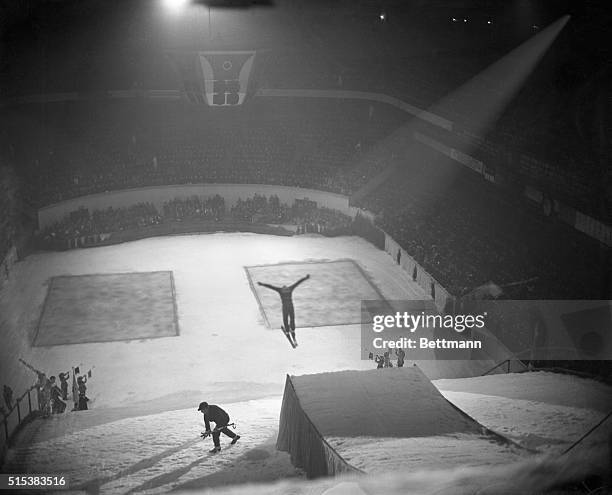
(288, 335)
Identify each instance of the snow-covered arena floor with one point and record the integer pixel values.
(223, 334)
(142, 432)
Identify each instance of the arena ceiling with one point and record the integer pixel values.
(43, 41)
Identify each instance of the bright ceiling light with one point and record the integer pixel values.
(175, 5)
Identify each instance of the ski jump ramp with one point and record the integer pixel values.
(380, 420)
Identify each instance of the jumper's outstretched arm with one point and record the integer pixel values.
(300, 281)
(269, 286)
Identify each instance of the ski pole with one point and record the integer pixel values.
(205, 434)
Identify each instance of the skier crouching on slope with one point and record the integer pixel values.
(285, 294)
(221, 419)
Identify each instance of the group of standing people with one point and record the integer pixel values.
(53, 398)
(385, 361)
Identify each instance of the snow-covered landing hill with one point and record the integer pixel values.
(162, 451)
(154, 453)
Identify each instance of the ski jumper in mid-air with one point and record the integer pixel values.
(285, 292)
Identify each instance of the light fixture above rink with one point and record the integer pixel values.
(175, 6)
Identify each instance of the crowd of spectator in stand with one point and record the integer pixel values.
(464, 235)
(261, 209)
(322, 220)
(258, 209)
(82, 223)
(168, 143)
(194, 207)
(470, 233)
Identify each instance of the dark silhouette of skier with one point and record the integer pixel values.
(285, 292)
(221, 419)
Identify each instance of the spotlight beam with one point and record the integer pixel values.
(483, 99)
(485, 96)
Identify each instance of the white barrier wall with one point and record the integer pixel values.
(444, 301)
(442, 297)
(160, 194)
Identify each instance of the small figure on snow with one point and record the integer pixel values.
(285, 292)
(221, 419)
(83, 399)
(401, 355)
(63, 377)
(41, 387)
(57, 405)
(387, 360)
(45, 395)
